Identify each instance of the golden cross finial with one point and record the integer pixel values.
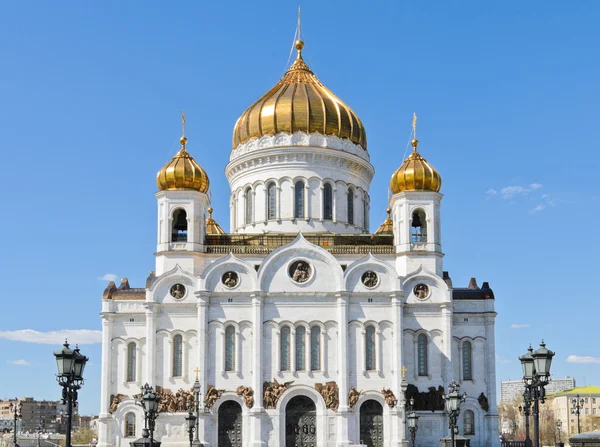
(197, 371)
(403, 370)
(299, 43)
(182, 123)
(298, 29)
(414, 124)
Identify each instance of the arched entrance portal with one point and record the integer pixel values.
(300, 423)
(371, 423)
(230, 424)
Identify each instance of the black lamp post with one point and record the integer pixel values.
(536, 373)
(16, 411)
(413, 420)
(526, 410)
(577, 404)
(452, 402)
(196, 389)
(71, 364)
(149, 401)
(191, 424)
(559, 428)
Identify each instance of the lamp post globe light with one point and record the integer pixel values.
(16, 411)
(70, 364)
(577, 404)
(191, 425)
(413, 421)
(452, 402)
(536, 374)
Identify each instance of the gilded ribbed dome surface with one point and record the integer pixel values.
(415, 174)
(299, 102)
(182, 172)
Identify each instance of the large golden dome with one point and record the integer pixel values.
(299, 102)
(415, 174)
(182, 172)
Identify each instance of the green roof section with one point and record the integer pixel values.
(582, 391)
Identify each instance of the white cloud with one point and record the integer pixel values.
(108, 277)
(501, 360)
(491, 192)
(538, 208)
(511, 191)
(582, 359)
(518, 326)
(75, 336)
(535, 186)
(19, 362)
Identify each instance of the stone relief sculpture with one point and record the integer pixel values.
(389, 397)
(177, 291)
(247, 393)
(483, 402)
(421, 291)
(212, 395)
(370, 279)
(272, 391)
(115, 400)
(300, 271)
(174, 403)
(330, 393)
(230, 279)
(353, 396)
(431, 400)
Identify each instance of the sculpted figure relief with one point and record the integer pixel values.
(432, 400)
(230, 279)
(483, 402)
(174, 403)
(272, 391)
(421, 291)
(300, 271)
(389, 397)
(212, 394)
(177, 291)
(330, 393)
(353, 396)
(370, 279)
(247, 393)
(115, 400)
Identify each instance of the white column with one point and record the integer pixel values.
(238, 351)
(378, 351)
(334, 204)
(278, 202)
(492, 416)
(308, 351)
(105, 420)
(150, 344)
(398, 414)
(257, 411)
(202, 303)
(293, 350)
(307, 204)
(323, 353)
(343, 413)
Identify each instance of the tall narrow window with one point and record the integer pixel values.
(130, 425)
(300, 348)
(177, 356)
(468, 423)
(131, 362)
(327, 202)
(230, 348)
(299, 200)
(180, 226)
(248, 200)
(271, 201)
(467, 356)
(370, 349)
(419, 226)
(285, 348)
(351, 206)
(422, 354)
(315, 348)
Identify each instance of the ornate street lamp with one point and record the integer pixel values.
(196, 389)
(452, 402)
(70, 364)
(149, 401)
(16, 411)
(559, 428)
(413, 420)
(577, 404)
(191, 424)
(536, 374)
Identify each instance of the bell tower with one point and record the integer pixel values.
(182, 203)
(415, 207)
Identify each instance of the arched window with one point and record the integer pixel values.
(370, 349)
(419, 226)
(315, 348)
(467, 356)
(327, 202)
(248, 201)
(131, 361)
(177, 356)
(285, 349)
(130, 425)
(351, 206)
(299, 200)
(180, 226)
(271, 203)
(468, 423)
(230, 348)
(300, 348)
(422, 354)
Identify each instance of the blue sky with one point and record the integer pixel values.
(91, 94)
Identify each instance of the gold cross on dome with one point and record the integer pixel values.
(403, 370)
(414, 125)
(197, 371)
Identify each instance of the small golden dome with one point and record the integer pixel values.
(415, 174)
(212, 227)
(182, 172)
(387, 227)
(299, 102)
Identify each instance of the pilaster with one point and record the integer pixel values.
(343, 413)
(257, 411)
(105, 419)
(151, 309)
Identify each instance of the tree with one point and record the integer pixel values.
(590, 423)
(511, 422)
(83, 436)
(548, 433)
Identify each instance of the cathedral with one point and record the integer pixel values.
(301, 327)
